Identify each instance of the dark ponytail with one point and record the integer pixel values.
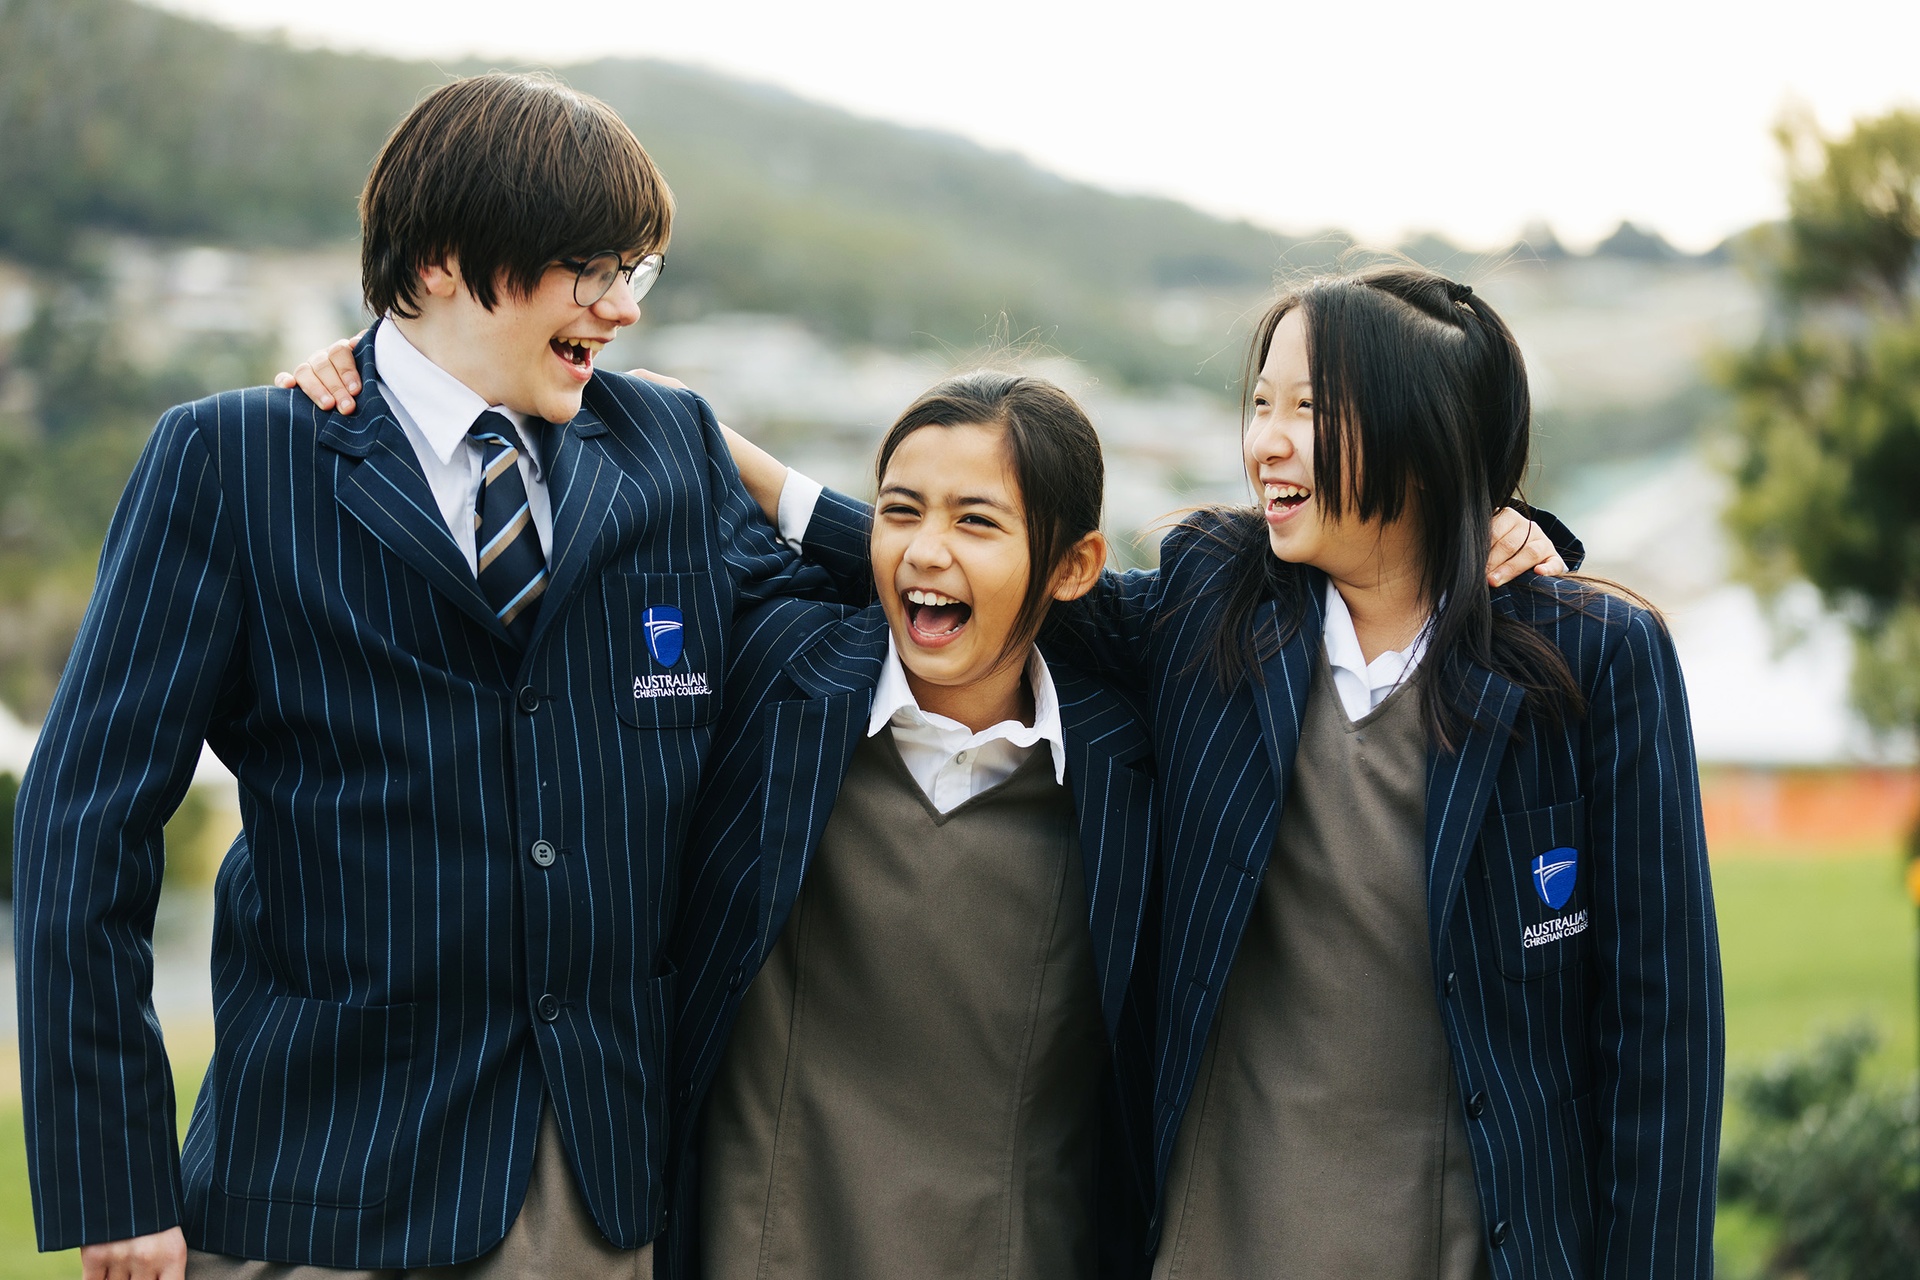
(1417, 375)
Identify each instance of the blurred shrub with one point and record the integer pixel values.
(1834, 1164)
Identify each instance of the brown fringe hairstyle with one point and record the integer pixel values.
(506, 174)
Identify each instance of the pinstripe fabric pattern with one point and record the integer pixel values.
(798, 698)
(400, 973)
(1598, 1058)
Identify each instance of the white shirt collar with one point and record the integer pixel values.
(440, 405)
(893, 701)
(1371, 681)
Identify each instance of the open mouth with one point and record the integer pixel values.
(935, 619)
(1285, 499)
(578, 353)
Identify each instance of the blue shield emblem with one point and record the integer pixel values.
(1554, 873)
(666, 629)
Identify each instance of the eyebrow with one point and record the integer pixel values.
(963, 500)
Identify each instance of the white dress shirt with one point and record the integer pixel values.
(951, 762)
(435, 409)
(1362, 685)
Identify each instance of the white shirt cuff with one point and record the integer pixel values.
(799, 495)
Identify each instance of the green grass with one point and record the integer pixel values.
(1809, 945)
(1806, 944)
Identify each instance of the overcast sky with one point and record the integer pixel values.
(1382, 116)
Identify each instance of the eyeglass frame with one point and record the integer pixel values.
(579, 268)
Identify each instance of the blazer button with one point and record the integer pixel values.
(548, 1008)
(684, 1093)
(543, 854)
(1498, 1236)
(1453, 980)
(529, 699)
(1477, 1104)
(733, 980)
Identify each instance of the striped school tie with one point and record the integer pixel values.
(511, 567)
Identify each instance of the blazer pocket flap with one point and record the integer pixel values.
(665, 648)
(311, 1098)
(1538, 869)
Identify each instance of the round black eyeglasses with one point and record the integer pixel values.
(594, 276)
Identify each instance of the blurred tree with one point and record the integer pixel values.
(1827, 400)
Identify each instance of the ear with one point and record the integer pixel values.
(1080, 567)
(441, 279)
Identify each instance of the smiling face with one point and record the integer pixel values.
(1278, 448)
(532, 353)
(950, 562)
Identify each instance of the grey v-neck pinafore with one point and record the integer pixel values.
(912, 1083)
(1325, 1136)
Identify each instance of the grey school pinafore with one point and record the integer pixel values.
(911, 1086)
(1325, 1138)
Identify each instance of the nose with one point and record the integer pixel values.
(617, 305)
(929, 548)
(1268, 440)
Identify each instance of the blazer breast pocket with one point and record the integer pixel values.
(1536, 872)
(665, 647)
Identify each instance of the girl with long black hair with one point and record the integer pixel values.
(1436, 990)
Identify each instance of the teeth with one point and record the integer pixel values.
(1286, 491)
(917, 596)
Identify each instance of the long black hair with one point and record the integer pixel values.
(1421, 410)
(1054, 454)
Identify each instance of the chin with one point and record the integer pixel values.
(1282, 547)
(559, 407)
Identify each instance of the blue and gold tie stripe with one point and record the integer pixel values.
(511, 567)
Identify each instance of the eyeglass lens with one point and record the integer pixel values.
(600, 271)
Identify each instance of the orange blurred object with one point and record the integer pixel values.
(1808, 810)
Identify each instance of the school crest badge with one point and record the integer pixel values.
(1554, 874)
(666, 632)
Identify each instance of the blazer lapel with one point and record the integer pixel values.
(1110, 767)
(595, 509)
(1280, 698)
(1459, 785)
(385, 490)
(808, 746)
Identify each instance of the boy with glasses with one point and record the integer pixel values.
(462, 650)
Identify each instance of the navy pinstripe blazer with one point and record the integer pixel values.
(459, 861)
(1588, 1041)
(798, 700)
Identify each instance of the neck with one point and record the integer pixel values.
(1004, 695)
(1387, 600)
(437, 337)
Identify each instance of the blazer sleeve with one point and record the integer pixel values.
(154, 656)
(837, 538)
(1661, 1018)
(762, 566)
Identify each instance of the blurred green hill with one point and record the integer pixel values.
(118, 117)
(133, 138)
